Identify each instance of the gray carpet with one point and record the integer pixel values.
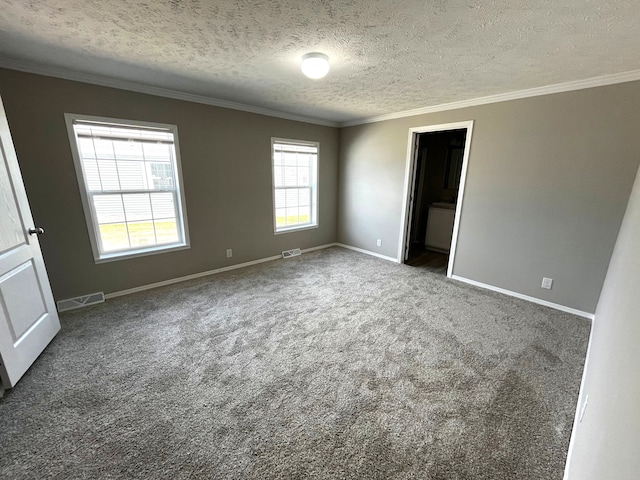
(332, 365)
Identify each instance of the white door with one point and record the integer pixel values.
(28, 316)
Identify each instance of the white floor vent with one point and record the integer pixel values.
(291, 253)
(79, 302)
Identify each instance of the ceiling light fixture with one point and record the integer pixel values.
(315, 65)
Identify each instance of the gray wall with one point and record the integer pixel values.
(605, 443)
(226, 164)
(547, 185)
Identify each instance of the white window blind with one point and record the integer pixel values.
(131, 186)
(295, 179)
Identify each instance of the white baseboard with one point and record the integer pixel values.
(320, 247)
(557, 306)
(367, 252)
(171, 281)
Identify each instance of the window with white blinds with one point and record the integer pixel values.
(295, 184)
(129, 177)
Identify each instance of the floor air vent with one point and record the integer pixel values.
(79, 302)
(291, 253)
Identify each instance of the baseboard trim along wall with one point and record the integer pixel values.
(557, 306)
(367, 252)
(171, 281)
(319, 247)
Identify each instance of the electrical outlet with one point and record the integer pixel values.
(229, 253)
(547, 283)
(379, 242)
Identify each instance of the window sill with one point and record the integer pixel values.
(295, 229)
(112, 257)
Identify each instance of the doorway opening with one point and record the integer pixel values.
(437, 158)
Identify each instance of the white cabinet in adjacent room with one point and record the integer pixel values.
(440, 228)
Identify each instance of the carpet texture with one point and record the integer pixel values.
(332, 365)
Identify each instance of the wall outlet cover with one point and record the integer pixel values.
(547, 283)
(229, 253)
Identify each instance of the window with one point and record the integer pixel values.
(130, 182)
(295, 184)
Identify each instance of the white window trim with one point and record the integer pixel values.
(314, 190)
(90, 218)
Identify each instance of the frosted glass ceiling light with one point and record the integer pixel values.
(315, 65)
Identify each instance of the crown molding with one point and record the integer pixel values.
(503, 97)
(104, 81)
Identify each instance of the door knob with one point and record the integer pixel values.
(36, 231)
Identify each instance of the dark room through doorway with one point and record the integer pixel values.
(436, 182)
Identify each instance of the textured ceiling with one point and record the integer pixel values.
(386, 56)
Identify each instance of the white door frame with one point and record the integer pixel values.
(468, 125)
